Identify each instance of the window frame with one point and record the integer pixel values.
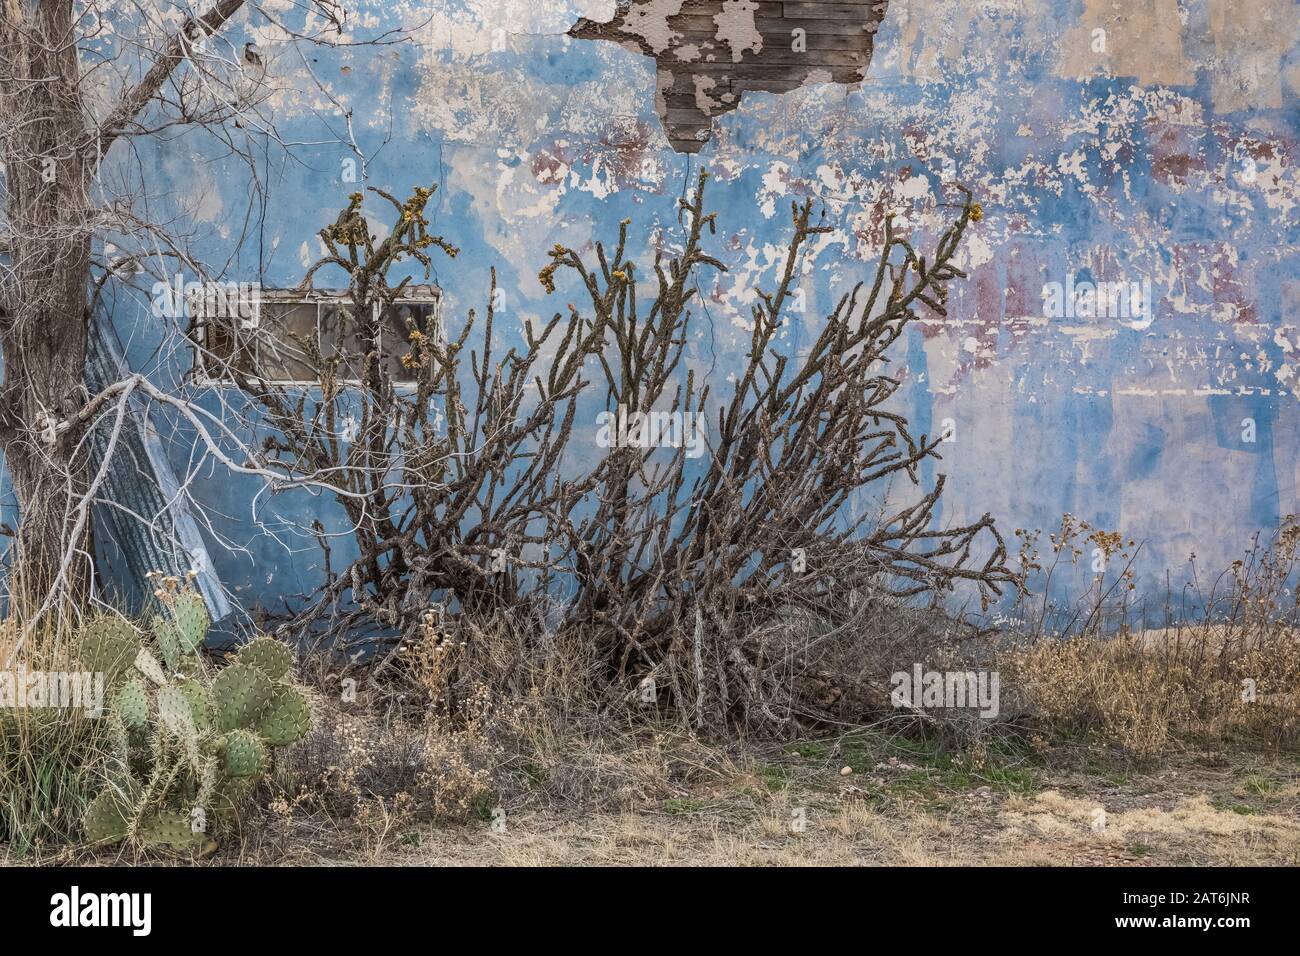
(421, 295)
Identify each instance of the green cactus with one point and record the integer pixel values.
(131, 703)
(108, 817)
(108, 646)
(174, 711)
(148, 665)
(286, 718)
(170, 828)
(200, 704)
(239, 694)
(245, 753)
(186, 745)
(164, 635)
(181, 628)
(271, 657)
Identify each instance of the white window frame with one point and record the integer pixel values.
(414, 295)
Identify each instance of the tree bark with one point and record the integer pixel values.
(43, 312)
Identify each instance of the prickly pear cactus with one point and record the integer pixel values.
(286, 718)
(169, 644)
(244, 753)
(240, 694)
(148, 665)
(189, 746)
(131, 703)
(108, 817)
(200, 703)
(190, 617)
(273, 658)
(108, 646)
(170, 828)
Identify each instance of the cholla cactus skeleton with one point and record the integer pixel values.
(187, 744)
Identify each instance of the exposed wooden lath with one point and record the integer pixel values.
(709, 53)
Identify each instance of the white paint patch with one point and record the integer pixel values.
(703, 101)
(737, 29)
(650, 22)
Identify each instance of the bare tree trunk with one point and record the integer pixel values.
(44, 371)
(52, 147)
(44, 323)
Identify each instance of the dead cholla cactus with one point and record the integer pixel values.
(685, 558)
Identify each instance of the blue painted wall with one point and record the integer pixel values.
(1168, 153)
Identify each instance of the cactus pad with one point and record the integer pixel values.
(132, 704)
(239, 695)
(107, 646)
(200, 707)
(244, 754)
(148, 665)
(169, 828)
(175, 713)
(107, 818)
(164, 635)
(271, 657)
(286, 717)
(191, 617)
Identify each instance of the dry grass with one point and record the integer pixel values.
(1140, 691)
(664, 799)
(784, 809)
(478, 744)
(47, 756)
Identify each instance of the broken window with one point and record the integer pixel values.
(283, 337)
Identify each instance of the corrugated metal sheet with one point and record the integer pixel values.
(142, 511)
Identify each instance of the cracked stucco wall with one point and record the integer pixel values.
(1151, 140)
(708, 55)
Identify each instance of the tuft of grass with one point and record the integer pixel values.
(1258, 786)
(49, 758)
(775, 776)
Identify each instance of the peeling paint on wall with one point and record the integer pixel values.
(1170, 153)
(709, 54)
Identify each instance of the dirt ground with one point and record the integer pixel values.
(897, 804)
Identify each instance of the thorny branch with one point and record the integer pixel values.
(668, 566)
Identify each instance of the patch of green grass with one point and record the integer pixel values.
(939, 771)
(1017, 780)
(775, 776)
(858, 749)
(49, 763)
(1141, 850)
(535, 775)
(917, 783)
(1258, 786)
(1238, 808)
(811, 749)
(949, 775)
(482, 806)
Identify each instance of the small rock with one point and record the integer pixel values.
(845, 771)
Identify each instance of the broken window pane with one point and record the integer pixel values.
(402, 323)
(339, 336)
(225, 345)
(286, 342)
